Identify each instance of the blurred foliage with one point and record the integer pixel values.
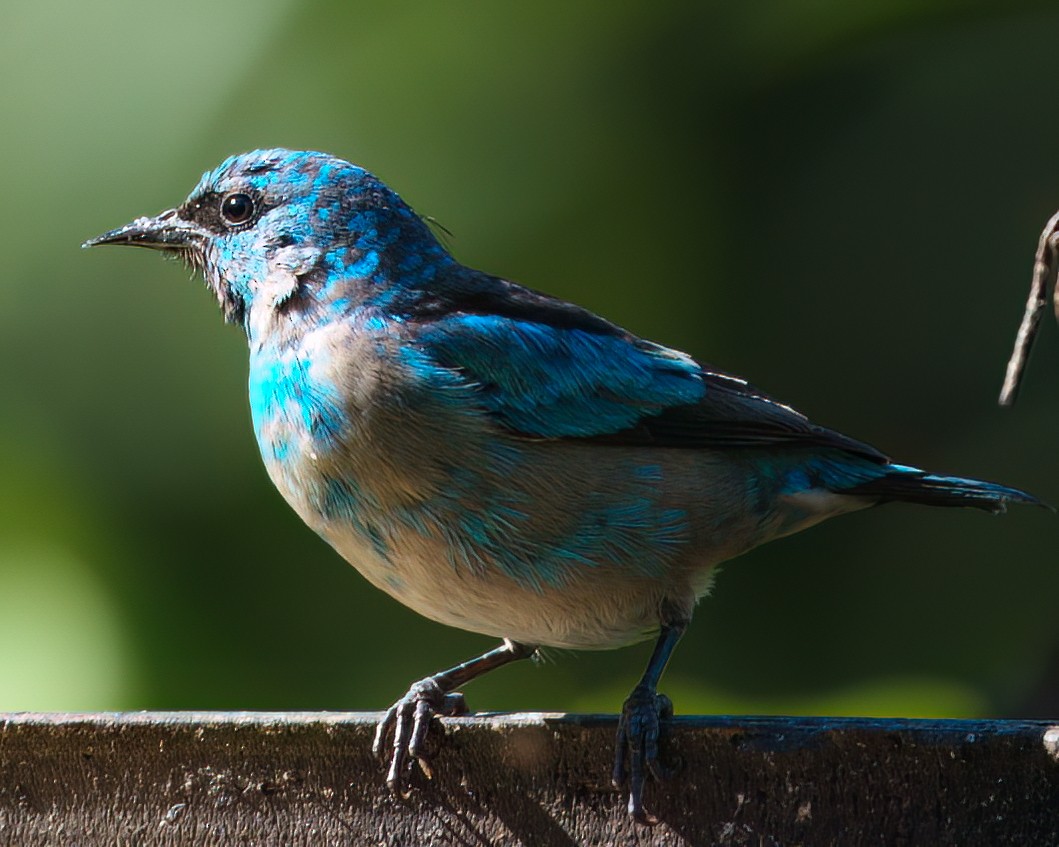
(838, 201)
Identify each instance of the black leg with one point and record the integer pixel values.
(410, 717)
(637, 743)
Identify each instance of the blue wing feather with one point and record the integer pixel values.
(546, 368)
(561, 382)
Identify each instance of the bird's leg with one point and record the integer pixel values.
(638, 726)
(410, 717)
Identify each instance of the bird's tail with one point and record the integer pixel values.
(912, 485)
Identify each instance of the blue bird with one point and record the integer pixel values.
(498, 459)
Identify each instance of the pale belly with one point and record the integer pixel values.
(596, 608)
(632, 561)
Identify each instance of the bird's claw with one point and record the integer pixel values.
(637, 747)
(409, 720)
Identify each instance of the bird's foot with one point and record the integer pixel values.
(409, 719)
(637, 747)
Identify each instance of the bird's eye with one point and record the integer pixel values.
(237, 208)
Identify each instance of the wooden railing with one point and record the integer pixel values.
(522, 779)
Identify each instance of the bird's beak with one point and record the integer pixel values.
(167, 231)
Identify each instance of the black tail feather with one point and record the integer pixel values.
(911, 485)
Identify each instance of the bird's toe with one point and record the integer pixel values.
(636, 754)
(408, 721)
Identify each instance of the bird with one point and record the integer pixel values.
(496, 458)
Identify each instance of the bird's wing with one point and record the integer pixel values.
(546, 368)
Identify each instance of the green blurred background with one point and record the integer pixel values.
(839, 201)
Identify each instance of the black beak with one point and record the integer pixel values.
(167, 231)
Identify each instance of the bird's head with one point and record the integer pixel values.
(272, 227)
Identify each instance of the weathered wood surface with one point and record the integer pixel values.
(522, 779)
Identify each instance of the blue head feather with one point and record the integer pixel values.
(330, 223)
